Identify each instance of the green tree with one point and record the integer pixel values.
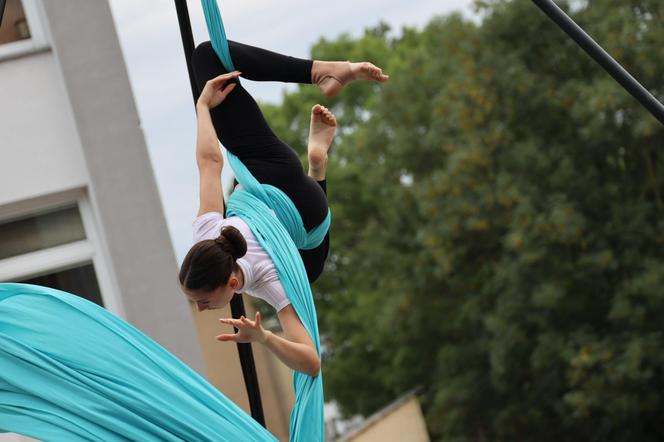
(497, 226)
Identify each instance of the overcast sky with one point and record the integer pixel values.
(150, 40)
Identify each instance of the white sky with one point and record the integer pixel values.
(150, 40)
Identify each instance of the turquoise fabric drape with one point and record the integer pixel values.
(271, 217)
(71, 371)
(260, 206)
(217, 33)
(284, 208)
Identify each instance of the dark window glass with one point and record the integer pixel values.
(79, 281)
(14, 26)
(53, 228)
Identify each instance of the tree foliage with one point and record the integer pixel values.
(497, 232)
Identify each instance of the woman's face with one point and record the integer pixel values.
(217, 298)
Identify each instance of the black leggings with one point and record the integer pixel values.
(242, 129)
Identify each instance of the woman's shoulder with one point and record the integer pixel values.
(271, 290)
(239, 224)
(208, 225)
(208, 216)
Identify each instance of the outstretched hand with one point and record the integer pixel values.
(248, 330)
(217, 89)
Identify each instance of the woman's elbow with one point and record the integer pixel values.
(313, 366)
(210, 159)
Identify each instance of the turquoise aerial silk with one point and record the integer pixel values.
(265, 217)
(72, 371)
(277, 225)
(217, 33)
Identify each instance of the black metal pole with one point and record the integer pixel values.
(187, 42)
(248, 366)
(237, 305)
(602, 57)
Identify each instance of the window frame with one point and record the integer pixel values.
(37, 42)
(91, 250)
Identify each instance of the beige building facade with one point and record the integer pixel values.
(400, 421)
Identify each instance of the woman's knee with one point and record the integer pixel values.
(202, 54)
(205, 61)
(314, 259)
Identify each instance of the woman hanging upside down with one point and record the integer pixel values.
(226, 257)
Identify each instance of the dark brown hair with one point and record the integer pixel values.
(209, 263)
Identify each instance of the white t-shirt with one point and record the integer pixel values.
(260, 275)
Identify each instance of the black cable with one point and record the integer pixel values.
(602, 58)
(237, 305)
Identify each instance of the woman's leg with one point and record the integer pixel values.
(262, 65)
(242, 129)
(239, 122)
(321, 133)
(238, 119)
(314, 259)
(239, 115)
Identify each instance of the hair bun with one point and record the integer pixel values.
(232, 242)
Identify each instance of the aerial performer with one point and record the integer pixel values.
(227, 258)
(72, 371)
(272, 240)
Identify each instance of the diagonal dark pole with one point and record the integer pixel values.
(602, 57)
(2, 9)
(237, 305)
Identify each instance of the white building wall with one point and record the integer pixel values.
(40, 152)
(38, 131)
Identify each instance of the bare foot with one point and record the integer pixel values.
(332, 76)
(321, 133)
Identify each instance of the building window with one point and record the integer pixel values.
(80, 281)
(21, 30)
(41, 231)
(14, 25)
(56, 243)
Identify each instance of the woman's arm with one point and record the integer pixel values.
(296, 350)
(208, 156)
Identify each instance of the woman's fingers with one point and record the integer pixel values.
(228, 337)
(217, 88)
(234, 322)
(225, 77)
(227, 90)
(248, 322)
(238, 323)
(247, 330)
(217, 83)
